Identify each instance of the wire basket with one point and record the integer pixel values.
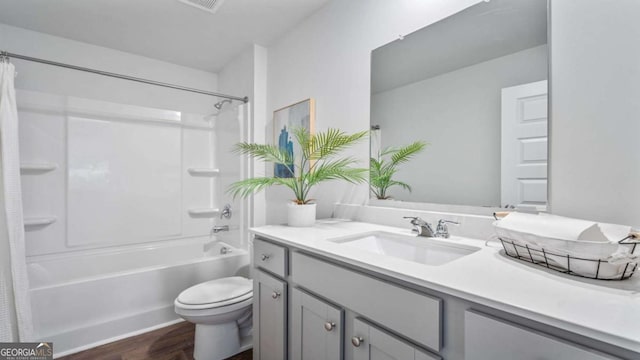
(591, 268)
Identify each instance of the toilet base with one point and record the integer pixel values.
(216, 342)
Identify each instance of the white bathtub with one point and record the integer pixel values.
(83, 300)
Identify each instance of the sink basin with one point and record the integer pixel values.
(421, 250)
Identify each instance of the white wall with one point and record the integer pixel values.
(245, 75)
(458, 114)
(327, 57)
(595, 119)
(46, 78)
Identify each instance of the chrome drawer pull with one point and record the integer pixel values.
(275, 295)
(357, 341)
(264, 257)
(329, 325)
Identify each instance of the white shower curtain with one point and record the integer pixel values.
(15, 306)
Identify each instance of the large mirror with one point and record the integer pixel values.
(474, 88)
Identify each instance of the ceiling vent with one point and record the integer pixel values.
(206, 5)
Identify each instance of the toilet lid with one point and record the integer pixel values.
(215, 291)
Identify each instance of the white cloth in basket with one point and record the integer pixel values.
(552, 227)
(565, 236)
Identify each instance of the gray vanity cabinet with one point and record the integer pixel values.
(371, 343)
(270, 317)
(310, 307)
(317, 328)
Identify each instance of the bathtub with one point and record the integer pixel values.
(83, 300)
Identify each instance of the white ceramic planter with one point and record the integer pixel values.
(301, 215)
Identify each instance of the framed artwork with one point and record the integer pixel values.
(298, 115)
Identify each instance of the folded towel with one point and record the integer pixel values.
(553, 227)
(615, 232)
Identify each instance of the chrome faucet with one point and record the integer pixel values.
(218, 228)
(425, 229)
(420, 226)
(442, 231)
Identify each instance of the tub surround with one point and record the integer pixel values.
(606, 311)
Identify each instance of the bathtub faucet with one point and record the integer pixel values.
(218, 228)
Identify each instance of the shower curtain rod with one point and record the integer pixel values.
(124, 77)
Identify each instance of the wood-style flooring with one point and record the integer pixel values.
(173, 342)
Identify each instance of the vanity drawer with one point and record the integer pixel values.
(270, 257)
(486, 337)
(411, 314)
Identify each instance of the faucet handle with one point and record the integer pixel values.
(442, 229)
(226, 212)
(422, 227)
(415, 220)
(444, 222)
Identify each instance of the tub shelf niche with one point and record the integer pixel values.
(37, 168)
(203, 212)
(37, 222)
(203, 172)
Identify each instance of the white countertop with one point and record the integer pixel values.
(605, 310)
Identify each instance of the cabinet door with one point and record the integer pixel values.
(269, 317)
(371, 343)
(486, 337)
(317, 328)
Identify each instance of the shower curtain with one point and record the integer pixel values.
(15, 305)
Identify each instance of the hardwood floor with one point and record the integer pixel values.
(173, 342)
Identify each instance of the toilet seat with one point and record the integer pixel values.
(219, 293)
(204, 311)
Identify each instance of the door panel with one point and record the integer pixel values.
(317, 328)
(370, 343)
(269, 317)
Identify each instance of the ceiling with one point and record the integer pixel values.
(163, 29)
(480, 33)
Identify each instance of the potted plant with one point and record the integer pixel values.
(315, 162)
(384, 165)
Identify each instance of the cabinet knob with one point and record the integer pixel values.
(264, 257)
(357, 341)
(329, 325)
(275, 295)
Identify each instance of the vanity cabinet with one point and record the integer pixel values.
(371, 343)
(317, 328)
(310, 307)
(319, 296)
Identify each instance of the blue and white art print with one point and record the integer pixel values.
(298, 115)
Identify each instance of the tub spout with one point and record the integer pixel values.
(218, 228)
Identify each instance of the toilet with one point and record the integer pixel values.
(221, 310)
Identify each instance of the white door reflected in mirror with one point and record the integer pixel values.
(524, 146)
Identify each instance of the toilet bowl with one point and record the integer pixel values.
(221, 310)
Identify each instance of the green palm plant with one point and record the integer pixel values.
(316, 163)
(385, 164)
